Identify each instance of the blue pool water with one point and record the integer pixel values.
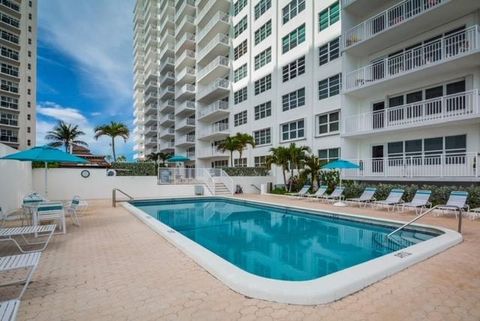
(278, 242)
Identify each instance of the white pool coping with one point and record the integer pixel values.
(318, 291)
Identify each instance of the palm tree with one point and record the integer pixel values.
(66, 135)
(297, 156)
(121, 159)
(243, 141)
(231, 144)
(112, 130)
(280, 157)
(312, 168)
(155, 157)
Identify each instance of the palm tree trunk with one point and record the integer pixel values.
(113, 149)
(284, 177)
(231, 158)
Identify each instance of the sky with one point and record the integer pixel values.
(85, 68)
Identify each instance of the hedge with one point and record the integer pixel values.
(246, 171)
(134, 169)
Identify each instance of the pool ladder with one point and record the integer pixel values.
(114, 196)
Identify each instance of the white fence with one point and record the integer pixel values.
(207, 176)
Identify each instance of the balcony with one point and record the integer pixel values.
(167, 146)
(186, 91)
(446, 54)
(167, 120)
(191, 154)
(167, 133)
(216, 90)
(220, 23)
(167, 92)
(218, 46)
(186, 42)
(151, 98)
(212, 6)
(150, 131)
(167, 65)
(167, 38)
(151, 142)
(167, 106)
(211, 152)
(184, 7)
(218, 68)
(453, 167)
(150, 120)
(185, 141)
(186, 25)
(399, 22)
(458, 108)
(215, 111)
(186, 75)
(151, 109)
(151, 86)
(167, 79)
(185, 108)
(186, 124)
(216, 131)
(167, 51)
(166, 24)
(187, 58)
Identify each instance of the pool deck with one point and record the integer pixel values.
(114, 267)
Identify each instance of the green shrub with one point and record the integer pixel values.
(134, 169)
(42, 165)
(246, 171)
(278, 190)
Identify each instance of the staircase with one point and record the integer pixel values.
(221, 189)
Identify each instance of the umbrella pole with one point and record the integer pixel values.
(46, 169)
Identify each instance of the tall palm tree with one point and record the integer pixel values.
(297, 155)
(280, 157)
(312, 168)
(243, 141)
(155, 157)
(112, 130)
(230, 144)
(65, 135)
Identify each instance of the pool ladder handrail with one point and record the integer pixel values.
(460, 214)
(114, 196)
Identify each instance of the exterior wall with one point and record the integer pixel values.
(246, 182)
(16, 180)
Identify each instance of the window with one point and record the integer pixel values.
(328, 123)
(263, 32)
(29, 117)
(293, 130)
(10, 37)
(29, 53)
(262, 136)
(263, 58)
(261, 7)
(240, 73)
(9, 53)
(220, 163)
(30, 4)
(29, 91)
(263, 110)
(29, 130)
(240, 95)
(328, 155)
(329, 87)
(263, 84)
(294, 99)
(8, 69)
(29, 79)
(29, 28)
(292, 9)
(9, 102)
(240, 27)
(240, 162)
(29, 142)
(329, 16)
(29, 16)
(293, 39)
(240, 118)
(238, 6)
(10, 4)
(9, 20)
(9, 86)
(9, 119)
(8, 135)
(260, 161)
(329, 51)
(240, 50)
(29, 41)
(29, 104)
(293, 69)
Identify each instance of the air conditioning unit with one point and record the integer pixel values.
(111, 172)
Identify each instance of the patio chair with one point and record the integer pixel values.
(474, 213)
(393, 199)
(17, 262)
(457, 200)
(337, 194)
(11, 234)
(8, 310)
(420, 201)
(366, 197)
(72, 208)
(302, 193)
(319, 193)
(51, 211)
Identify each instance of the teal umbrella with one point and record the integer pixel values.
(339, 165)
(178, 158)
(46, 155)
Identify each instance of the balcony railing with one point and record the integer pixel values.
(168, 131)
(187, 122)
(388, 19)
(346, 3)
(219, 16)
(187, 88)
(186, 105)
(212, 108)
(187, 53)
(187, 36)
(434, 52)
(408, 167)
(181, 5)
(219, 61)
(219, 83)
(167, 90)
(436, 110)
(185, 19)
(168, 76)
(185, 71)
(220, 38)
(217, 128)
(186, 139)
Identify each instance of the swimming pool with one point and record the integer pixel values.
(256, 247)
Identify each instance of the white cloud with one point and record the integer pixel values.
(65, 114)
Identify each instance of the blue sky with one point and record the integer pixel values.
(85, 62)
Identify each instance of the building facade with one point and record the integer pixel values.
(391, 85)
(18, 59)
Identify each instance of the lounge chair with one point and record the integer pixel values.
(81, 205)
(16, 262)
(474, 213)
(302, 193)
(8, 310)
(393, 199)
(456, 201)
(366, 197)
(319, 193)
(50, 211)
(419, 202)
(11, 234)
(337, 194)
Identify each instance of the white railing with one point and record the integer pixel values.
(166, 35)
(168, 131)
(150, 118)
(167, 118)
(217, 128)
(440, 165)
(185, 19)
(186, 122)
(219, 83)
(201, 14)
(167, 90)
(219, 176)
(219, 16)
(165, 22)
(220, 38)
(184, 72)
(187, 36)
(219, 61)
(441, 109)
(182, 5)
(168, 75)
(437, 51)
(186, 139)
(346, 3)
(151, 96)
(191, 154)
(168, 47)
(167, 104)
(216, 106)
(168, 60)
(388, 19)
(187, 88)
(181, 175)
(188, 104)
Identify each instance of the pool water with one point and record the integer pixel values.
(279, 242)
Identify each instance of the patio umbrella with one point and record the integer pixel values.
(46, 155)
(178, 158)
(339, 165)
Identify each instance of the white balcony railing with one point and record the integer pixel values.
(187, 53)
(186, 105)
(186, 139)
(187, 36)
(182, 5)
(404, 166)
(212, 108)
(187, 88)
(388, 19)
(434, 52)
(218, 17)
(186, 19)
(168, 76)
(219, 83)
(217, 62)
(346, 3)
(219, 39)
(436, 110)
(186, 122)
(217, 128)
(167, 90)
(168, 131)
(186, 71)
(201, 14)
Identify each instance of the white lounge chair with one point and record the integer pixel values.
(337, 194)
(50, 211)
(8, 310)
(419, 202)
(11, 234)
(457, 200)
(366, 197)
(319, 193)
(72, 208)
(81, 205)
(21, 261)
(393, 199)
(302, 193)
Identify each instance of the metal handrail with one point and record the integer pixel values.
(459, 229)
(114, 196)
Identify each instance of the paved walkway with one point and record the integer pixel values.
(115, 268)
